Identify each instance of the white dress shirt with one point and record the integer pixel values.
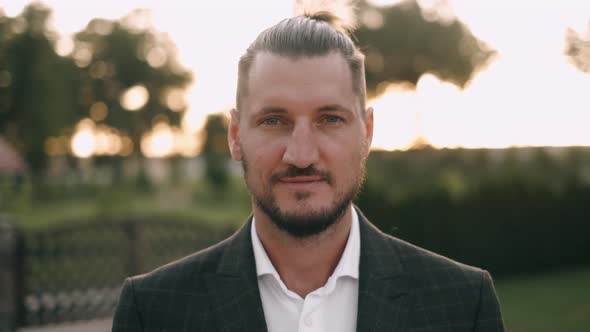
(332, 307)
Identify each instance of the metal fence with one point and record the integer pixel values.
(74, 271)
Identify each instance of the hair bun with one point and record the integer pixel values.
(338, 13)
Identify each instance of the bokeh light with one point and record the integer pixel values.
(99, 111)
(90, 139)
(164, 141)
(134, 98)
(83, 142)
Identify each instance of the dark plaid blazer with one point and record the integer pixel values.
(401, 288)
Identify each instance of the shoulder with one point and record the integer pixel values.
(445, 291)
(183, 273)
(422, 262)
(429, 268)
(441, 281)
(424, 266)
(150, 299)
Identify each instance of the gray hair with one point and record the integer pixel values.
(306, 35)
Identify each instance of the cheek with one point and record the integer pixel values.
(263, 159)
(342, 150)
(344, 160)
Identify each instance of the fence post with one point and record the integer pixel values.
(131, 229)
(11, 276)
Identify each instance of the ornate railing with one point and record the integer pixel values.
(74, 271)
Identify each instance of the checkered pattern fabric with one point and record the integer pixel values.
(401, 288)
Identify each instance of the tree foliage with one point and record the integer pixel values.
(37, 95)
(578, 48)
(402, 42)
(215, 150)
(43, 94)
(116, 55)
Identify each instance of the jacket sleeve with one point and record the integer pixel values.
(489, 317)
(127, 316)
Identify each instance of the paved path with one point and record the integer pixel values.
(98, 325)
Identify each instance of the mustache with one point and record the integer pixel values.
(293, 171)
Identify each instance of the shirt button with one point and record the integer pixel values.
(308, 321)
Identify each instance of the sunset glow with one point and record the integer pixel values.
(91, 139)
(529, 95)
(164, 141)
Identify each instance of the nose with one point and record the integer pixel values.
(302, 149)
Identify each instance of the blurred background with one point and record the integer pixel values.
(113, 153)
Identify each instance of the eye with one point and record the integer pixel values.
(271, 122)
(332, 119)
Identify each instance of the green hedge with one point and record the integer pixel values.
(508, 216)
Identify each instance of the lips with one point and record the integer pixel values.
(301, 176)
(302, 183)
(301, 179)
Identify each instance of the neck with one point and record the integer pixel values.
(304, 265)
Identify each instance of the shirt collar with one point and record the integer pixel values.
(347, 266)
(263, 263)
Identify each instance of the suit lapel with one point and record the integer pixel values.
(384, 289)
(385, 292)
(233, 289)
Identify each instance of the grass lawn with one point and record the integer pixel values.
(185, 201)
(551, 302)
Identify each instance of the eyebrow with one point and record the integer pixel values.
(270, 110)
(334, 107)
(280, 110)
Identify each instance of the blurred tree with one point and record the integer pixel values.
(578, 48)
(120, 73)
(36, 90)
(215, 151)
(130, 76)
(402, 42)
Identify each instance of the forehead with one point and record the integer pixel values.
(299, 81)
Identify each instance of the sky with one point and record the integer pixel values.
(528, 96)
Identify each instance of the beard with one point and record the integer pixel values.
(312, 222)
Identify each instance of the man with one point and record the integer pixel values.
(307, 259)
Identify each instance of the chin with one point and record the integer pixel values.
(304, 206)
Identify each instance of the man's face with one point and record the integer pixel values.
(302, 140)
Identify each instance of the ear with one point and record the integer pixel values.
(233, 136)
(368, 128)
